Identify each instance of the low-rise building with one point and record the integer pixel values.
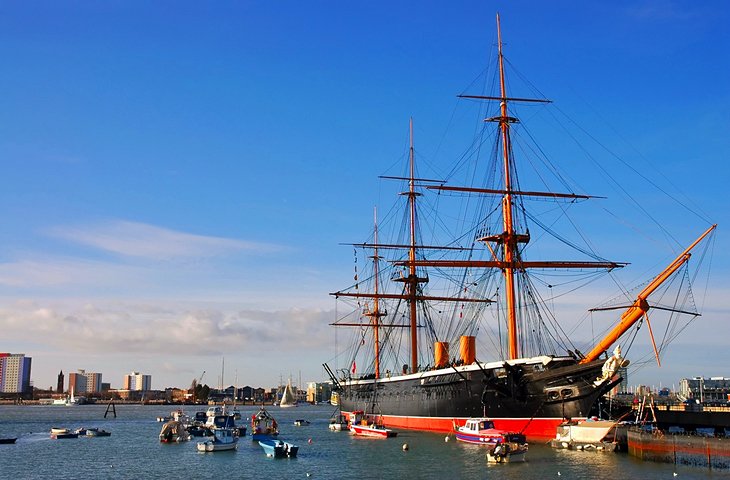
(706, 390)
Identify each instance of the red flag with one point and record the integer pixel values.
(354, 367)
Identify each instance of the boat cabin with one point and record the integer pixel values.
(213, 411)
(223, 435)
(477, 424)
(220, 421)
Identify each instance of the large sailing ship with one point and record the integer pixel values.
(539, 379)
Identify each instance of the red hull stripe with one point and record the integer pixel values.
(534, 429)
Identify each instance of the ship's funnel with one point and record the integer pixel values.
(441, 354)
(468, 349)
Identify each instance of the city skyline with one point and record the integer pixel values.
(176, 184)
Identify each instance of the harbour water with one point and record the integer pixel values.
(134, 451)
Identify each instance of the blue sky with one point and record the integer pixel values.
(177, 177)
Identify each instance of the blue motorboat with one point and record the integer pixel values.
(225, 421)
(278, 448)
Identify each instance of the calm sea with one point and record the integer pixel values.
(133, 451)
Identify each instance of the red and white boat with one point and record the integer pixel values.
(505, 447)
(361, 424)
(480, 431)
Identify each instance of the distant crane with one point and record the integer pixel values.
(194, 386)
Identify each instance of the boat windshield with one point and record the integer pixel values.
(485, 425)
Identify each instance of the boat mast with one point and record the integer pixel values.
(509, 262)
(412, 277)
(375, 313)
(640, 307)
(410, 293)
(510, 244)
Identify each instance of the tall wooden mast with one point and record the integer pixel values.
(510, 245)
(413, 280)
(411, 293)
(507, 258)
(375, 313)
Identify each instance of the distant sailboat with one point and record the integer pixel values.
(67, 401)
(288, 398)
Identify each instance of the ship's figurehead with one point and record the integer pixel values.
(612, 365)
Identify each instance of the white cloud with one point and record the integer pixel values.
(43, 271)
(148, 241)
(125, 328)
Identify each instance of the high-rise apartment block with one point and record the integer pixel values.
(14, 373)
(138, 382)
(84, 382)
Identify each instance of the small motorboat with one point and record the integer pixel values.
(96, 432)
(338, 423)
(278, 448)
(199, 431)
(360, 424)
(6, 441)
(301, 422)
(263, 425)
(480, 431)
(226, 420)
(504, 446)
(508, 451)
(174, 431)
(223, 439)
(592, 434)
(60, 433)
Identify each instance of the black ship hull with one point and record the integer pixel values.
(531, 396)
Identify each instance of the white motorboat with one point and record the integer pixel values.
(585, 435)
(223, 439)
(174, 431)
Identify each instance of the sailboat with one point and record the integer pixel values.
(288, 398)
(69, 400)
(444, 291)
(72, 399)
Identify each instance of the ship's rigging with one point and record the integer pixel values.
(426, 295)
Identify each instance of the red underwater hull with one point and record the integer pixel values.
(536, 429)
